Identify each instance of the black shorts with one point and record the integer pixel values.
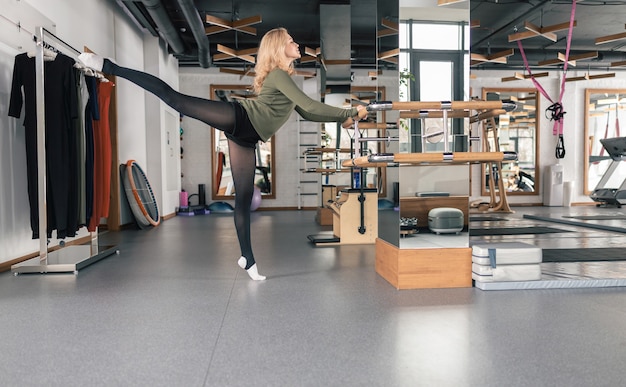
(244, 134)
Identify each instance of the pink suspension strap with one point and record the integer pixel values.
(556, 109)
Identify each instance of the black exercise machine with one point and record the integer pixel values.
(616, 148)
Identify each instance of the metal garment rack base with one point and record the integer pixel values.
(69, 259)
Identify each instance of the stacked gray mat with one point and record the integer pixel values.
(518, 266)
(505, 262)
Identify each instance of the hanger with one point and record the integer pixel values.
(90, 72)
(48, 54)
(102, 78)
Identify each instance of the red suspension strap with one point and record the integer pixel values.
(556, 109)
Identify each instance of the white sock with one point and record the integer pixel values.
(252, 271)
(91, 60)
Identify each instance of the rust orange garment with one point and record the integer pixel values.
(102, 157)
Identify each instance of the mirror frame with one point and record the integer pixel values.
(483, 178)
(215, 188)
(586, 140)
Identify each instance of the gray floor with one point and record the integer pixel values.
(173, 309)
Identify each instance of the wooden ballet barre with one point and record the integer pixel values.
(377, 125)
(452, 114)
(380, 160)
(441, 105)
(487, 114)
(433, 113)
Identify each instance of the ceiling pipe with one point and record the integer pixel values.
(197, 29)
(137, 16)
(164, 25)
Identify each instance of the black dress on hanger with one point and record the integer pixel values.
(61, 108)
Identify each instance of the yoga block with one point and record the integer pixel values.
(445, 220)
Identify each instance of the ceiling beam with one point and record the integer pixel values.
(587, 77)
(571, 60)
(229, 53)
(534, 30)
(618, 63)
(516, 20)
(221, 25)
(611, 38)
(498, 57)
(520, 76)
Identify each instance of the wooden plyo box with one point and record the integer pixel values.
(324, 216)
(347, 216)
(424, 268)
(329, 194)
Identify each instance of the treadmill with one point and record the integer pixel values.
(616, 148)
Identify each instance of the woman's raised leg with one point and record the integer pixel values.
(218, 114)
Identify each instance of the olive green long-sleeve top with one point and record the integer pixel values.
(279, 96)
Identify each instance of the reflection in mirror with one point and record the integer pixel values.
(388, 203)
(515, 131)
(604, 109)
(439, 63)
(437, 199)
(341, 139)
(222, 180)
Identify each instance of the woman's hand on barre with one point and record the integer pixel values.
(361, 114)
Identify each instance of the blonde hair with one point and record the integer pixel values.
(271, 55)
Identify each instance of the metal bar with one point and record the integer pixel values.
(49, 34)
(41, 147)
(433, 157)
(364, 139)
(446, 134)
(439, 105)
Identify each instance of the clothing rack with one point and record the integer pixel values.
(68, 258)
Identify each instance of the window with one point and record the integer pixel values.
(429, 36)
(435, 52)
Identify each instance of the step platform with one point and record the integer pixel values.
(324, 238)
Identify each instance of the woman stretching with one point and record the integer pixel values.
(244, 122)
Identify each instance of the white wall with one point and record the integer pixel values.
(162, 163)
(102, 27)
(15, 232)
(573, 128)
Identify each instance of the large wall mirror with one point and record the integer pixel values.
(604, 109)
(433, 41)
(515, 131)
(222, 178)
(341, 139)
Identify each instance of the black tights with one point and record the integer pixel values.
(220, 115)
